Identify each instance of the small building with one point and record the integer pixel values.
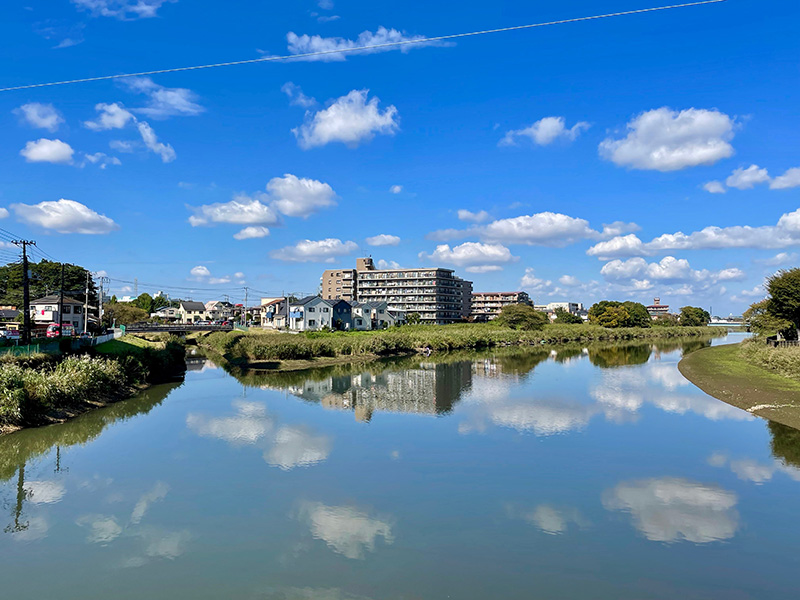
(191, 312)
(8, 316)
(45, 311)
(219, 310)
(361, 315)
(273, 313)
(341, 314)
(656, 309)
(168, 313)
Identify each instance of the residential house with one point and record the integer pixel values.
(8, 317)
(361, 315)
(309, 314)
(45, 311)
(168, 313)
(191, 312)
(273, 313)
(219, 310)
(341, 314)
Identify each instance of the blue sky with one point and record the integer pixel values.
(632, 157)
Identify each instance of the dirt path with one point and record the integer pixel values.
(721, 373)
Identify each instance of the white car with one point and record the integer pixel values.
(9, 334)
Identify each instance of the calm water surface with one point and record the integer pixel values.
(598, 473)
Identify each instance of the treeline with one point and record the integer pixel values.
(610, 313)
(45, 278)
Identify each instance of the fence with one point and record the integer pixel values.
(47, 348)
(782, 343)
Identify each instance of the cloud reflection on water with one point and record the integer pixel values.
(346, 529)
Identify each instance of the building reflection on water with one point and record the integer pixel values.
(428, 389)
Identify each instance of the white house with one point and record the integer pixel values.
(190, 312)
(44, 311)
(362, 316)
(219, 310)
(309, 314)
(169, 313)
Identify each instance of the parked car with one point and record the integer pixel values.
(10, 334)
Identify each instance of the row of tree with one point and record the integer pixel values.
(779, 312)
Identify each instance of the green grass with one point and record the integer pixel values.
(241, 347)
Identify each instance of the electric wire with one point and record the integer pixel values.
(355, 49)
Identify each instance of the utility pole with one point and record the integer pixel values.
(26, 294)
(61, 305)
(86, 306)
(103, 281)
(244, 312)
(135, 287)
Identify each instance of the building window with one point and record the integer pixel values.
(358, 321)
(325, 309)
(311, 309)
(311, 322)
(67, 310)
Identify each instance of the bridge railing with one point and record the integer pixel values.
(174, 327)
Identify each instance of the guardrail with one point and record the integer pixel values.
(174, 328)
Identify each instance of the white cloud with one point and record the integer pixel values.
(101, 159)
(123, 146)
(304, 44)
(200, 271)
(484, 269)
(532, 283)
(103, 529)
(124, 10)
(545, 131)
(50, 151)
(299, 197)
(757, 292)
(540, 229)
(252, 232)
(473, 217)
(470, 254)
(670, 509)
(242, 210)
(296, 95)
(714, 187)
(64, 216)
(163, 102)
(666, 140)
(159, 492)
(350, 120)
(44, 492)
(40, 116)
(744, 179)
(669, 270)
(551, 520)
(785, 233)
(790, 179)
(383, 239)
(388, 264)
(781, 258)
(345, 529)
(112, 116)
(618, 228)
(4, 213)
(326, 250)
(396, 189)
(297, 447)
(569, 281)
(165, 151)
(448, 235)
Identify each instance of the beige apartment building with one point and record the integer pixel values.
(436, 294)
(487, 305)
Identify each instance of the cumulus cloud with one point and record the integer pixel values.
(64, 216)
(671, 509)
(569, 281)
(40, 116)
(790, 179)
(396, 189)
(350, 120)
(781, 258)
(242, 210)
(471, 254)
(112, 116)
(383, 239)
(473, 217)
(299, 197)
(540, 229)
(714, 187)
(326, 250)
(124, 10)
(532, 283)
(666, 140)
(305, 44)
(346, 530)
(50, 151)
(294, 447)
(165, 151)
(296, 95)
(388, 264)
(637, 272)
(44, 492)
(785, 233)
(744, 179)
(544, 132)
(200, 271)
(253, 232)
(163, 102)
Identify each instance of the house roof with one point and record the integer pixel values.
(189, 305)
(276, 301)
(54, 299)
(306, 300)
(8, 313)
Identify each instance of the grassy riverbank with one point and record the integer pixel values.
(761, 380)
(44, 389)
(271, 350)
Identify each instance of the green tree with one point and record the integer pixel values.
(522, 316)
(762, 321)
(45, 278)
(145, 302)
(693, 316)
(784, 296)
(637, 315)
(124, 313)
(413, 318)
(566, 317)
(610, 313)
(667, 320)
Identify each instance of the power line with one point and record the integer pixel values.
(421, 40)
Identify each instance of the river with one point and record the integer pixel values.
(577, 473)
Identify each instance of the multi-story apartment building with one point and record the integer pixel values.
(437, 295)
(487, 305)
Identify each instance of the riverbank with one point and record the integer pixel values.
(44, 389)
(741, 375)
(283, 351)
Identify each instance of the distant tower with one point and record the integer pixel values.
(135, 287)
